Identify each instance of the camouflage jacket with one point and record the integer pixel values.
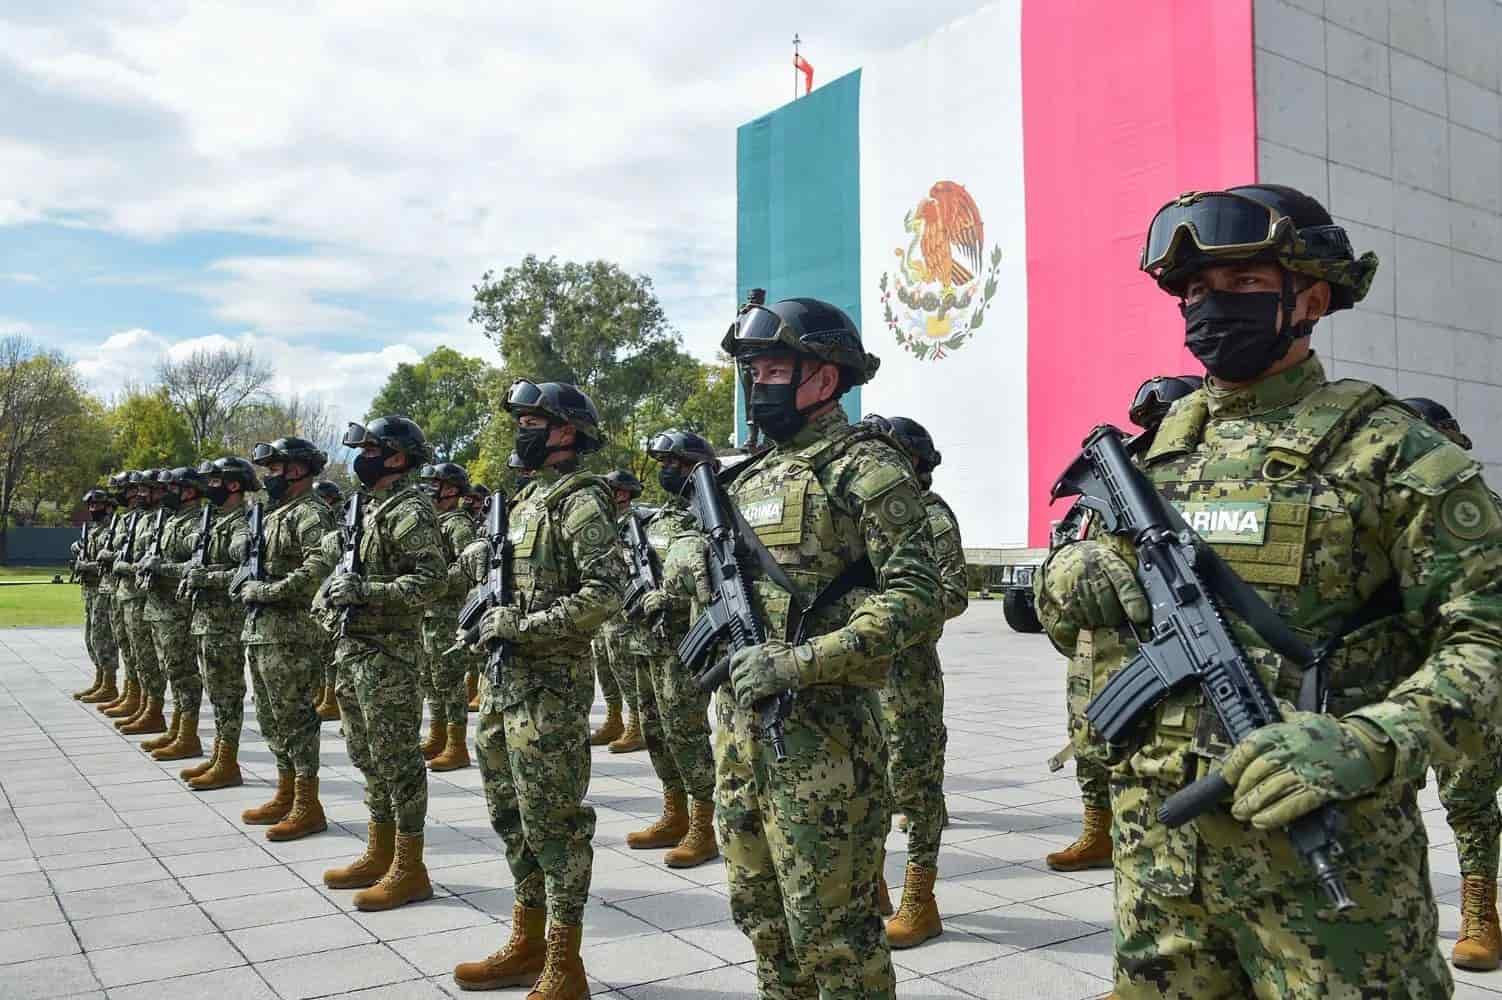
(213, 610)
(825, 500)
(178, 534)
(456, 532)
(678, 548)
(1324, 496)
(137, 539)
(402, 558)
(950, 551)
(100, 537)
(291, 532)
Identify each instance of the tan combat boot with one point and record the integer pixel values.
(368, 868)
(519, 963)
(224, 773)
(455, 753)
(193, 771)
(563, 975)
(328, 707)
(699, 844)
(1091, 850)
(148, 720)
(883, 897)
(98, 680)
(669, 828)
(1478, 946)
(472, 690)
(406, 881)
(105, 693)
(631, 740)
(306, 815)
(610, 730)
(185, 745)
(128, 704)
(433, 746)
(167, 738)
(277, 809)
(917, 919)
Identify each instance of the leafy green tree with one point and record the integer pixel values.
(149, 432)
(81, 458)
(39, 395)
(446, 394)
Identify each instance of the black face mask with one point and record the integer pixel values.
(217, 494)
(1235, 334)
(99, 515)
(171, 500)
(276, 486)
(532, 445)
(370, 468)
(774, 409)
(672, 480)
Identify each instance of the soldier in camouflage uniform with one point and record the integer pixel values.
(674, 713)
(533, 739)
(617, 648)
(218, 621)
(147, 719)
(1469, 794)
(97, 637)
(912, 708)
(838, 507)
(401, 572)
(448, 701)
(1332, 500)
(170, 617)
(328, 701)
(132, 522)
(477, 501)
(1092, 849)
(284, 647)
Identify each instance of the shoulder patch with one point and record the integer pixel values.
(1439, 470)
(877, 477)
(1469, 513)
(586, 519)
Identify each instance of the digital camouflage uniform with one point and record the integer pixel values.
(803, 839)
(443, 676)
(98, 597)
(169, 617)
(380, 655)
(284, 647)
(533, 732)
(132, 601)
(218, 623)
(674, 713)
(1347, 491)
(912, 702)
(131, 521)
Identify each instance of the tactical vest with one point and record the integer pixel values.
(384, 560)
(543, 566)
(666, 525)
(282, 553)
(1303, 539)
(162, 604)
(446, 609)
(110, 538)
(213, 610)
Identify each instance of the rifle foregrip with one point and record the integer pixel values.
(1193, 800)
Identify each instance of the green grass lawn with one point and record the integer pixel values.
(38, 602)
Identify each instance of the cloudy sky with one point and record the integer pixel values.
(325, 181)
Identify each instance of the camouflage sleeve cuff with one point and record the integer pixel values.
(171, 570)
(836, 658)
(1390, 731)
(217, 579)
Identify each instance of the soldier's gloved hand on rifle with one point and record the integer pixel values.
(76, 548)
(346, 590)
(196, 578)
(150, 564)
(654, 603)
(1093, 587)
(758, 672)
(500, 624)
(258, 592)
(1291, 768)
(123, 569)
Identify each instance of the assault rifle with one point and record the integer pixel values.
(200, 552)
(730, 612)
(1188, 641)
(254, 565)
(354, 536)
(83, 550)
(498, 590)
(143, 576)
(127, 554)
(646, 576)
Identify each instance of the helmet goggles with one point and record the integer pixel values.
(1220, 224)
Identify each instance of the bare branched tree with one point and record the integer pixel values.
(211, 387)
(271, 418)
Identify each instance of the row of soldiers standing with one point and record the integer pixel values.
(870, 563)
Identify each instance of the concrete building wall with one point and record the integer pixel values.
(1389, 111)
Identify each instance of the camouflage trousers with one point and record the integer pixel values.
(1090, 769)
(443, 676)
(1469, 795)
(1254, 923)
(222, 660)
(176, 654)
(615, 663)
(380, 702)
(285, 677)
(610, 689)
(120, 631)
(912, 715)
(143, 648)
(803, 844)
(330, 663)
(534, 763)
(675, 724)
(99, 632)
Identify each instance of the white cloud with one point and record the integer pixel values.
(21, 278)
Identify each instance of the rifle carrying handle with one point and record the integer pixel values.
(1193, 800)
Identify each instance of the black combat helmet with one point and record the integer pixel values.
(1157, 394)
(393, 435)
(100, 497)
(1438, 416)
(685, 446)
(234, 468)
(558, 403)
(803, 327)
(188, 477)
(913, 437)
(291, 449)
(329, 492)
(445, 472)
(621, 479)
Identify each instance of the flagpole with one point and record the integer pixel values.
(796, 40)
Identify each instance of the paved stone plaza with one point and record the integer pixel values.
(117, 881)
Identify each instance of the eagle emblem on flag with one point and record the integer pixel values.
(935, 299)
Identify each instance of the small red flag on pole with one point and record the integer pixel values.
(804, 67)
